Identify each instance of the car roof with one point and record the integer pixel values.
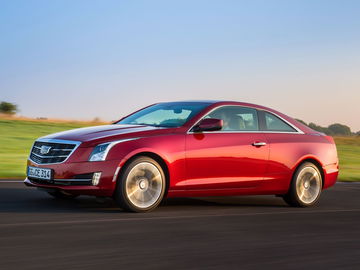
(222, 102)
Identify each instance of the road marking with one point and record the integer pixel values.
(174, 217)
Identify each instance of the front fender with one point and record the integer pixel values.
(170, 148)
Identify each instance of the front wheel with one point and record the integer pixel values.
(306, 186)
(141, 186)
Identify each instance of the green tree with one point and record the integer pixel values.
(334, 129)
(320, 129)
(8, 108)
(339, 129)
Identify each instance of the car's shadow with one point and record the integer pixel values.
(20, 200)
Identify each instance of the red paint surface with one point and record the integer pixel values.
(201, 164)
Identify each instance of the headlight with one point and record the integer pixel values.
(100, 151)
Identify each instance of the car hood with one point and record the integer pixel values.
(94, 135)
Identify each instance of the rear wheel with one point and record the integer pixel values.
(142, 185)
(305, 187)
(60, 194)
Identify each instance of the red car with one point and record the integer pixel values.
(195, 148)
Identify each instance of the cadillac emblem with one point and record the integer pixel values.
(45, 149)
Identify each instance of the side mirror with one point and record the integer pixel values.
(208, 124)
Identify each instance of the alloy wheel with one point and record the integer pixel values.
(144, 185)
(308, 185)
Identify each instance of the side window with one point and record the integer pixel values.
(274, 123)
(236, 118)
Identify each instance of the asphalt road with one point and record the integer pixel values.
(39, 232)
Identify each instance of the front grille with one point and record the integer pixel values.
(51, 152)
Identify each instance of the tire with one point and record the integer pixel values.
(59, 194)
(141, 186)
(305, 187)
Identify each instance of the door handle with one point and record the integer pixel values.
(258, 144)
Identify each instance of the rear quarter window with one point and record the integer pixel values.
(274, 123)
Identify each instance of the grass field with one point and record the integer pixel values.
(17, 137)
(349, 156)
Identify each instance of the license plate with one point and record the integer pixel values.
(39, 173)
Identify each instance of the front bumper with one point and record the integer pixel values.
(66, 177)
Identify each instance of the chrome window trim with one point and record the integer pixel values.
(77, 144)
(298, 131)
(287, 122)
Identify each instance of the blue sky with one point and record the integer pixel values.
(86, 59)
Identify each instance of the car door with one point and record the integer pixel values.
(234, 157)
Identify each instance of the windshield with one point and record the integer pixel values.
(173, 114)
